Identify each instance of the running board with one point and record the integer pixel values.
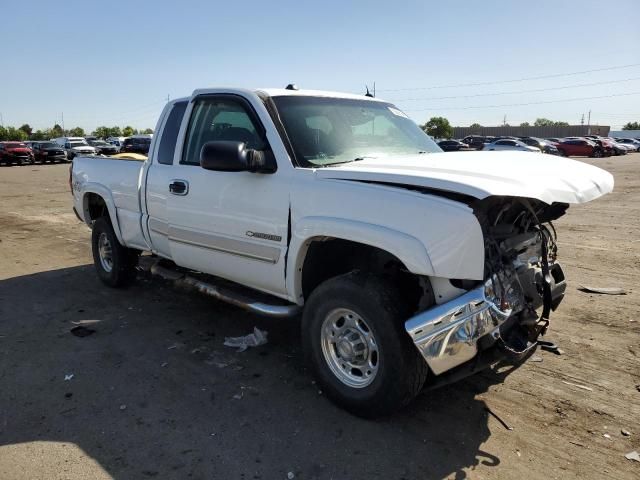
(243, 301)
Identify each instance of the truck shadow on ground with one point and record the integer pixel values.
(154, 392)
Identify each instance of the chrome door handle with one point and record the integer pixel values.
(179, 187)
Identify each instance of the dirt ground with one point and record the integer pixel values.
(154, 393)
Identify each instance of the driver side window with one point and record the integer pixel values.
(221, 118)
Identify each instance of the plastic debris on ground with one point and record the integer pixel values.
(603, 290)
(68, 377)
(633, 456)
(255, 339)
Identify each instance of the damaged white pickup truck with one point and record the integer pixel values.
(411, 267)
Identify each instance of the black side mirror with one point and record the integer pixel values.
(232, 156)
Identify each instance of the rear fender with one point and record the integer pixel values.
(105, 194)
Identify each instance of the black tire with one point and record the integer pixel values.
(123, 260)
(597, 153)
(401, 371)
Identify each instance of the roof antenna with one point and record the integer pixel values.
(368, 94)
(291, 86)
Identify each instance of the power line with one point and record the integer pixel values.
(519, 91)
(523, 104)
(539, 77)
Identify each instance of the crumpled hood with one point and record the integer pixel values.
(543, 177)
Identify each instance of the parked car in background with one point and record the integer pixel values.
(510, 144)
(116, 141)
(630, 141)
(580, 147)
(15, 152)
(75, 146)
(545, 146)
(48, 152)
(554, 139)
(453, 146)
(102, 147)
(136, 144)
(620, 148)
(475, 141)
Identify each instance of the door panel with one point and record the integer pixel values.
(230, 224)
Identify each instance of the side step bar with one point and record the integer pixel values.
(226, 295)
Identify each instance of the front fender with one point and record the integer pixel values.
(409, 250)
(105, 193)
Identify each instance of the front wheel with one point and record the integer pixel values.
(597, 153)
(354, 338)
(115, 264)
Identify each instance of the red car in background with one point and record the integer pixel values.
(15, 152)
(581, 147)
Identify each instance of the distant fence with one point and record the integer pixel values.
(542, 132)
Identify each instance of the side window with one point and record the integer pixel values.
(220, 118)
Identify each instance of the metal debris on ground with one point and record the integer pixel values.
(495, 415)
(549, 347)
(255, 339)
(68, 377)
(579, 386)
(603, 290)
(81, 331)
(633, 456)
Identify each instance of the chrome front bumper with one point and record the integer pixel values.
(447, 335)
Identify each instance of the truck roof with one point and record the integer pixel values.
(282, 92)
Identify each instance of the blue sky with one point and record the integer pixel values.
(115, 62)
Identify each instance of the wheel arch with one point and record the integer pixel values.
(98, 202)
(316, 256)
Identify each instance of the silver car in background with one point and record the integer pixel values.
(510, 144)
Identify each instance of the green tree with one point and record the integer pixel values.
(545, 122)
(438, 127)
(3, 134)
(115, 132)
(76, 132)
(26, 129)
(632, 126)
(475, 125)
(40, 135)
(525, 124)
(57, 131)
(128, 131)
(148, 131)
(16, 134)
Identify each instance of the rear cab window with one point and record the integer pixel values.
(170, 133)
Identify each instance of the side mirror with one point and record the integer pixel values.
(231, 156)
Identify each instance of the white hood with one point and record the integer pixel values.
(544, 177)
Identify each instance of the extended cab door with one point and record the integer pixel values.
(158, 173)
(230, 224)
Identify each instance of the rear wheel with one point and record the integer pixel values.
(354, 338)
(115, 264)
(597, 153)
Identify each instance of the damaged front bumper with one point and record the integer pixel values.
(453, 333)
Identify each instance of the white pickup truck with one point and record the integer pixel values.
(409, 266)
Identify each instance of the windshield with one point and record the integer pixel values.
(49, 145)
(16, 145)
(325, 131)
(100, 143)
(78, 144)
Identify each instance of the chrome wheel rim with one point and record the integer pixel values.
(350, 348)
(105, 252)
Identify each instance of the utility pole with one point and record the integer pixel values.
(582, 120)
(504, 120)
(167, 98)
(374, 89)
(589, 124)
(63, 130)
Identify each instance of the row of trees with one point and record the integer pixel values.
(632, 126)
(25, 132)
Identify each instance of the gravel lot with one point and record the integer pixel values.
(154, 392)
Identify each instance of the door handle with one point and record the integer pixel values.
(179, 187)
